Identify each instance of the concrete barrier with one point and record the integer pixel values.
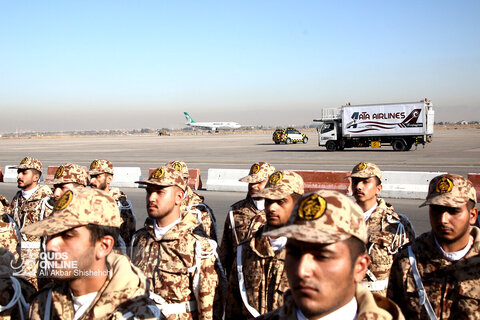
(406, 184)
(125, 177)
(194, 179)
(10, 174)
(227, 180)
(475, 178)
(325, 180)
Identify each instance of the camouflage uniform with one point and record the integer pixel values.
(129, 225)
(387, 231)
(262, 268)
(240, 216)
(371, 306)
(28, 211)
(328, 217)
(183, 265)
(123, 296)
(125, 291)
(451, 287)
(15, 292)
(194, 203)
(10, 235)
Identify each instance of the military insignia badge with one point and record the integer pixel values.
(361, 166)
(275, 178)
(157, 174)
(444, 185)
(64, 200)
(312, 207)
(94, 165)
(24, 160)
(177, 166)
(255, 168)
(59, 172)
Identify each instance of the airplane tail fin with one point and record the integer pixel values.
(189, 118)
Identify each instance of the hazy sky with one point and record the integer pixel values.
(139, 64)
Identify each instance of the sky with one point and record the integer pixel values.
(82, 65)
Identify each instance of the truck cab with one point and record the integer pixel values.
(328, 135)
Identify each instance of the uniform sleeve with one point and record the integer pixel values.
(409, 230)
(396, 289)
(210, 300)
(226, 247)
(233, 308)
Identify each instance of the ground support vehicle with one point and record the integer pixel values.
(288, 136)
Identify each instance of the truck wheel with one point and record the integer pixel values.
(305, 140)
(409, 146)
(288, 141)
(331, 146)
(399, 145)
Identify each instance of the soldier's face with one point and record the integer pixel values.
(452, 225)
(321, 276)
(60, 189)
(70, 252)
(162, 201)
(26, 179)
(254, 188)
(365, 189)
(278, 211)
(100, 181)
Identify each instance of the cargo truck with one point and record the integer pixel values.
(400, 125)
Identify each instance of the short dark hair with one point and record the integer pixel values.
(357, 247)
(98, 232)
(470, 204)
(35, 171)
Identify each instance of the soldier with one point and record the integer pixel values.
(242, 212)
(325, 262)
(258, 282)
(194, 202)
(176, 254)
(437, 275)
(93, 282)
(29, 205)
(9, 232)
(387, 230)
(101, 176)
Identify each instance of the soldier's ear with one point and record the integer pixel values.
(109, 178)
(104, 246)
(379, 189)
(473, 215)
(360, 267)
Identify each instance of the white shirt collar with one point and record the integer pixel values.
(347, 312)
(457, 255)
(82, 303)
(260, 204)
(27, 194)
(278, 243)
(161, 231)
(369, 212)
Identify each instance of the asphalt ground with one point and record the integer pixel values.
(455, 151)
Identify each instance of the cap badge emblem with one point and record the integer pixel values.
(177, 166)
(64, 200)
(312, 207)
(444, 185)
(276, 178)
(59, 172)
(255, 169)
(24, 160)
(361, 166)
(94, 165)
(157, 174)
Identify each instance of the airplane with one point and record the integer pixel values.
(213, 126)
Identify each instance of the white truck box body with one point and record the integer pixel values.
(400, 119)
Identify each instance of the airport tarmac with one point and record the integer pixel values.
(455, 151)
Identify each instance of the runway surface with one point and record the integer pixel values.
(455, 151)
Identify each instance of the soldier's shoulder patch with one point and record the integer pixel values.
(275, 178)
(64, 200)
(312, 207)
(444, 185)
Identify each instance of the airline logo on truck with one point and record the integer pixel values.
(365, 121)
